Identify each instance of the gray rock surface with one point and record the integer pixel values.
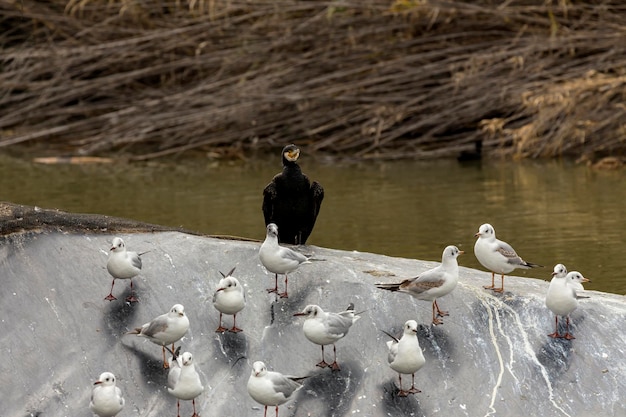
(492, 355)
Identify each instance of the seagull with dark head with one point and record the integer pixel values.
(291, 201)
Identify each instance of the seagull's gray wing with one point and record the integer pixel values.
(283, 384)
(292, 255)
(430, 279)
(135, 259)
(157, 325)
(337, 325)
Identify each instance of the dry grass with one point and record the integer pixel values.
(365, 79)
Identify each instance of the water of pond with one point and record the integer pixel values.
(551, 212)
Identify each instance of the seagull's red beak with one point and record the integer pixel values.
(97, 382)
(220, 289)
(476, 234)
(300, 314)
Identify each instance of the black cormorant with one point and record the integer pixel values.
(291, 201)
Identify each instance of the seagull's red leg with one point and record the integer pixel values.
(284, 294)
(131, 298)
(440, 313)
(235, 329)
(220, 328)
(413, 390)
(493, 284)
(165, 363)
(193, 401)
(567, 334)
(178, 408)
(111, 297)
(436, 321)
(402, 392)
(556, 328)
(323, 363)
(334, 366)
(501, 289)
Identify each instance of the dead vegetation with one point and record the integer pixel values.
(364, 79)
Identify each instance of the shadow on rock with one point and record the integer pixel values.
(234, 346)
(119, 317)
(283, 309)
(151, 370)
(332, 392)
(555, 355)
(436, 342)
(394, 405)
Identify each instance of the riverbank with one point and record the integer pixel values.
(370, 80)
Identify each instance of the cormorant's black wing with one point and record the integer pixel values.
(269, 197)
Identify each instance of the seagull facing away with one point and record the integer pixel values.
(229, 298)
(291, 201)
(271, 389)
(279, 259)
(324, 328)
(183, 381)
(106, 397)
(123, 264)
(405, 355)
(165, 329)
(561, 300)
(497, 256)
(432, 284)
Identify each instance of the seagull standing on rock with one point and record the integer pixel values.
(271, 389)
(405, 355)
(183, 381)
(123, 264)
(561, 299)
(106, 397)
(165, 329)
(432, 284)
(324, 328)
(279, 259)
(229, 298)
(497, 256)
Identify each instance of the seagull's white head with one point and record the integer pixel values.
(486, 231)
(106, 379)
(228, 284)
(410, 327)
(177, 310)
(258, 369)
(187, 359)
(451, 252)
(117, 245)
(311, 311)
(576, 276)
(272, 230)
(559, 271)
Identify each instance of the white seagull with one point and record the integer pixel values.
(229, 298)
(123, 264)
(405, 355)
(575, 281)
(432, 284)
(279, 259)
(497, 256)
(324, 328)
(561, 300)
(106, 397)
(165, 329)
(271, 389)
(183, 381)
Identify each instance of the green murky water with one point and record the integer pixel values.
(551, 212)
